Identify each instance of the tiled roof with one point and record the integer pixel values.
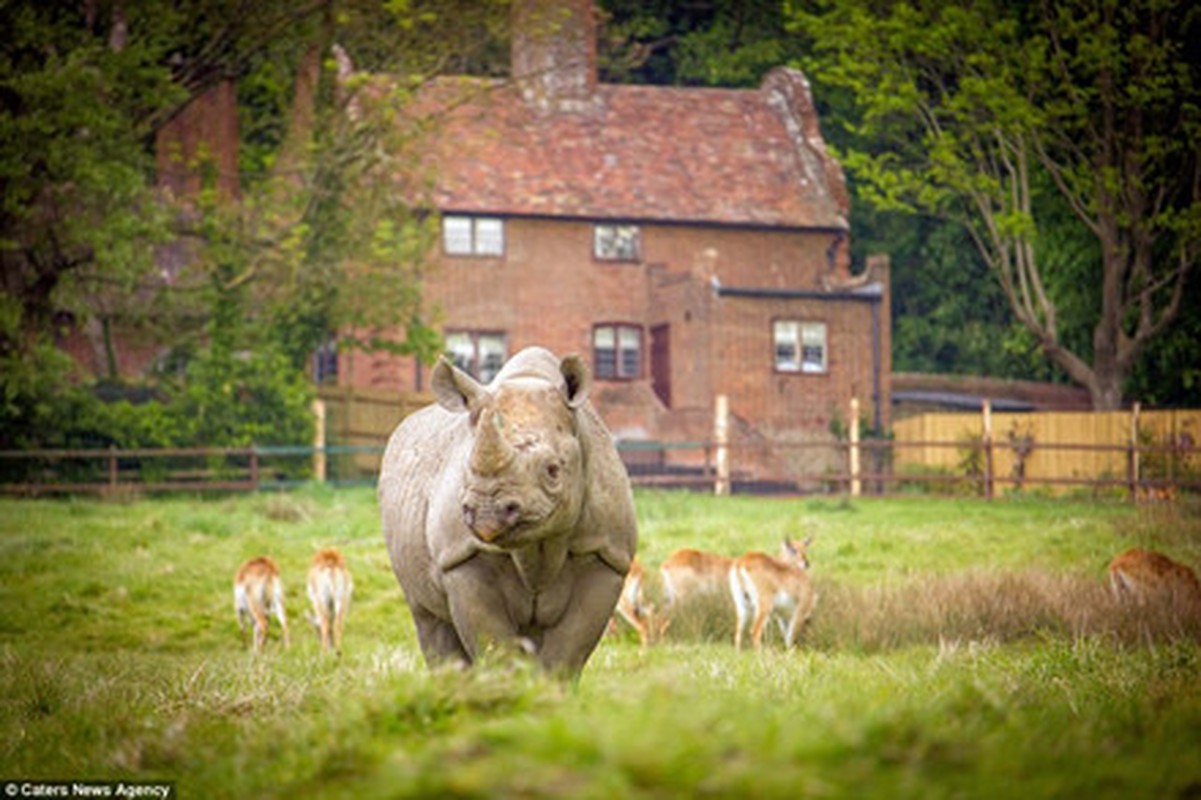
(639, 153)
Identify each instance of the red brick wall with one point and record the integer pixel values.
(548, 290)
(204, 133)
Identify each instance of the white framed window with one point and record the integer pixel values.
(800, 346)
(617, 351)
(473, 236)
(616, 242)
(480, 354)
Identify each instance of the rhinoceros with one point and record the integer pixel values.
(508, 514)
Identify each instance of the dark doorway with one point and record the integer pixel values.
(661, 362)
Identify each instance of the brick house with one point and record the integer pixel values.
(689, 242)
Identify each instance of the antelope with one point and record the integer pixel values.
(632, 605)
(761, 586)
(330, 587)
(1155, 494)
(258, 591)
(1140, 575)
(689, 572)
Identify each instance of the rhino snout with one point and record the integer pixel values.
(490, 521)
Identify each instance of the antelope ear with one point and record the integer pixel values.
(455, 390)
(578, 378)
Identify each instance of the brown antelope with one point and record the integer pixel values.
(761, 586)
(632, 605)
(330, 587)
(258, 591)
(1155, 494)
(689, 572)
(1141, 575)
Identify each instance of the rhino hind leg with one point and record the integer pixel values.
(439, 641)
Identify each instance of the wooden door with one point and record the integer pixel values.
(661, 362)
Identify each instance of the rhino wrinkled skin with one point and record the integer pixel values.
(508, 514)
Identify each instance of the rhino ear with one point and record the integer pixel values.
(578, 378)
(455, 390)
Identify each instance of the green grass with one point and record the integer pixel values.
(960, 648)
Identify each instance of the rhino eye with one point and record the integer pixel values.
(552, 470)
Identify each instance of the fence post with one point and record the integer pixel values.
(319, 466)
(1132, 460)
(987, 444)
(254, 467)
(856, 486)
(113, 467)
(721, 437)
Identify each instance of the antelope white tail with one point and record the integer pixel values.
(258, 593)
(329, 587)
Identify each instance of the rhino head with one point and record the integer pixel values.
(525, 477)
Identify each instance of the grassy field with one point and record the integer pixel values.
(960, 649)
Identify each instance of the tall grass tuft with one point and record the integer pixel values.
(988, 606)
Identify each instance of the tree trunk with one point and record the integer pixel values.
(1106, 391)
(1109, 372)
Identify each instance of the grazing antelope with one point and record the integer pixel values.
(632, 605)
(762, 585)
(1141, 575)
(330, 587)
(258, 591)
(1155, 494)
(689, 572)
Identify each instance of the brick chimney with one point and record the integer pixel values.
(554, 53)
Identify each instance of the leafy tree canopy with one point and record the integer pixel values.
(1003, 116)
(320, 239)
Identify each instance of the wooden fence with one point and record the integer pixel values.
(1055, 447)
(1120, 454)
(359, 421)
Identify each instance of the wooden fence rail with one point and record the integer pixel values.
(861, 467)
(1131, 454)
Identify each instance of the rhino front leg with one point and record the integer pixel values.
(567, 645)
(439, 641)
(480, 607)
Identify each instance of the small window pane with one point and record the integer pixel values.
(462, 351)
(325, 362)
(813, 347)
(631, 347)
(456, 235)
(787, 346)
(492, 356)
(489, 237)
(604, 345)
(616, 242)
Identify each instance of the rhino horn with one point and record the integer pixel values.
(493, 452)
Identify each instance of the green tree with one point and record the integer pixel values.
(78, 220)
(991, 114)
(328, 236)
(669, 42)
